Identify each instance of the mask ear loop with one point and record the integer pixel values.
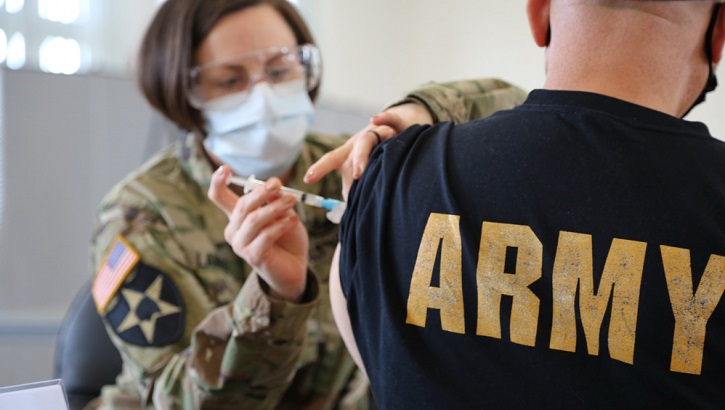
(548, 35)
(711, 83)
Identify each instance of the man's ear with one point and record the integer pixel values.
(718, 36)
(538, 13)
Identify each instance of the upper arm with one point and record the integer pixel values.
(463, 101)
(339, 310)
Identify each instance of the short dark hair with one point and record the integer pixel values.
(166, 55)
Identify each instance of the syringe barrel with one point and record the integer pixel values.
(311, 199)
(304, 197)
(295, 193)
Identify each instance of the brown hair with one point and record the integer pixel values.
(167, 51)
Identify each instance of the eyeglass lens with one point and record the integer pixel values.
(218, 80)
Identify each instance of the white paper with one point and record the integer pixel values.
(48, 395)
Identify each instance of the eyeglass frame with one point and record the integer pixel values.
(310, 62)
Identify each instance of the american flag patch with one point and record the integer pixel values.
(119, 261)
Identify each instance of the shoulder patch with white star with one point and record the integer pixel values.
(149, 310)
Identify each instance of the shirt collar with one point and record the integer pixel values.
(637, 115)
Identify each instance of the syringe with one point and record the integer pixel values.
(336, 207)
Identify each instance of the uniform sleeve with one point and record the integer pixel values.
(243, 355)
(178, 349)
(463, 101)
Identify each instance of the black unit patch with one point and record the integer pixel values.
(149, 310)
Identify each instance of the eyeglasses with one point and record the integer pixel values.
(239, 73)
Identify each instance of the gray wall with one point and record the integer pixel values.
(64, 140)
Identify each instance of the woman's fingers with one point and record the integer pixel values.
(329, 162)
(250, 210)
(355, 152)
(388, 119)
(265, 237)
(219, 193)
(401, 117)
(265, 231)
(246, 227)
(364, 146)
(352, 157)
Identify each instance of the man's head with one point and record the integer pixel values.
(659, 54)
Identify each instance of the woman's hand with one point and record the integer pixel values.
(352, 157)
(266, 232)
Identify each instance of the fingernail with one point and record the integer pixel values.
(289, 199)
(219, 170)
(271, 185)
(358, 172)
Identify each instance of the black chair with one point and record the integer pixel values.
(85, 358)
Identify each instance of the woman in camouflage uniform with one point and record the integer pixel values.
(197, 326)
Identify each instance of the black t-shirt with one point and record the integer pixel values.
(568, 253)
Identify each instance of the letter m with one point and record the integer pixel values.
(622, 275)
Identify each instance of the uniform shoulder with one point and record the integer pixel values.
(317, 144)
(326, 141)
(156, 175)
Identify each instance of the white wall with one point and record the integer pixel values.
(373, 50)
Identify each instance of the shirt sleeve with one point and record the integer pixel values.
(463, 101)
(364, 222)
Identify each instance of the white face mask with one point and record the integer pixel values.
(259, 133)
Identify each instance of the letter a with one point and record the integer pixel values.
(448, 298)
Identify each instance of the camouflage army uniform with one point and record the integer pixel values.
(463, 101)
(194, 324)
